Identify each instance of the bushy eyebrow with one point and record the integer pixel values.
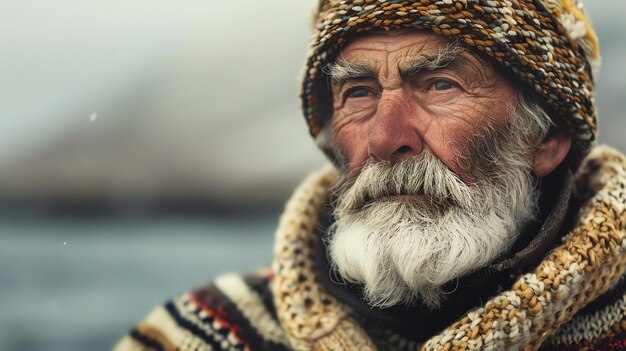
(444, 57)
(343, 71)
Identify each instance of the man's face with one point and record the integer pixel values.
(398, 92)
(439, 161)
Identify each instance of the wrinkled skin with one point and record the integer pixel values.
(395, 115)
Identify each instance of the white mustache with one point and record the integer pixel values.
(423, 174)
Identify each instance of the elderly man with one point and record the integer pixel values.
(465, 208)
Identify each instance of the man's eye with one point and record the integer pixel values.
(443, 85)
(357, 92)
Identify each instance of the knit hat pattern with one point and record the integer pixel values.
(548, 44)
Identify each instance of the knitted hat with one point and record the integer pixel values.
(548, 44)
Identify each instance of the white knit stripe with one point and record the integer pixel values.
(251, 306)
(129, 344)
(161, 320)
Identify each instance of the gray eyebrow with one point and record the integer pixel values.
(441, 59)
(343, 71)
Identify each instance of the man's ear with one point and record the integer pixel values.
(551, 153)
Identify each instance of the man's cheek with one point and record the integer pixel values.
(351, 144)
(461, 114)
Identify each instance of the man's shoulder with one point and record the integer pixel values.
(235, 312)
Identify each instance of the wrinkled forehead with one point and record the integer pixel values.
(386, 53)
(396, 47)
(392, 48)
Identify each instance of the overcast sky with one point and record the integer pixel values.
(181, 98)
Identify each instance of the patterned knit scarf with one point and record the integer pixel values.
(590, 260)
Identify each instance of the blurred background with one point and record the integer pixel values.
(147, 146)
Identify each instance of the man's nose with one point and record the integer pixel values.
(392, 135)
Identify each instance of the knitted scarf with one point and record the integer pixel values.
(590, 260)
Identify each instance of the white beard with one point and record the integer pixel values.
(405, 249)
